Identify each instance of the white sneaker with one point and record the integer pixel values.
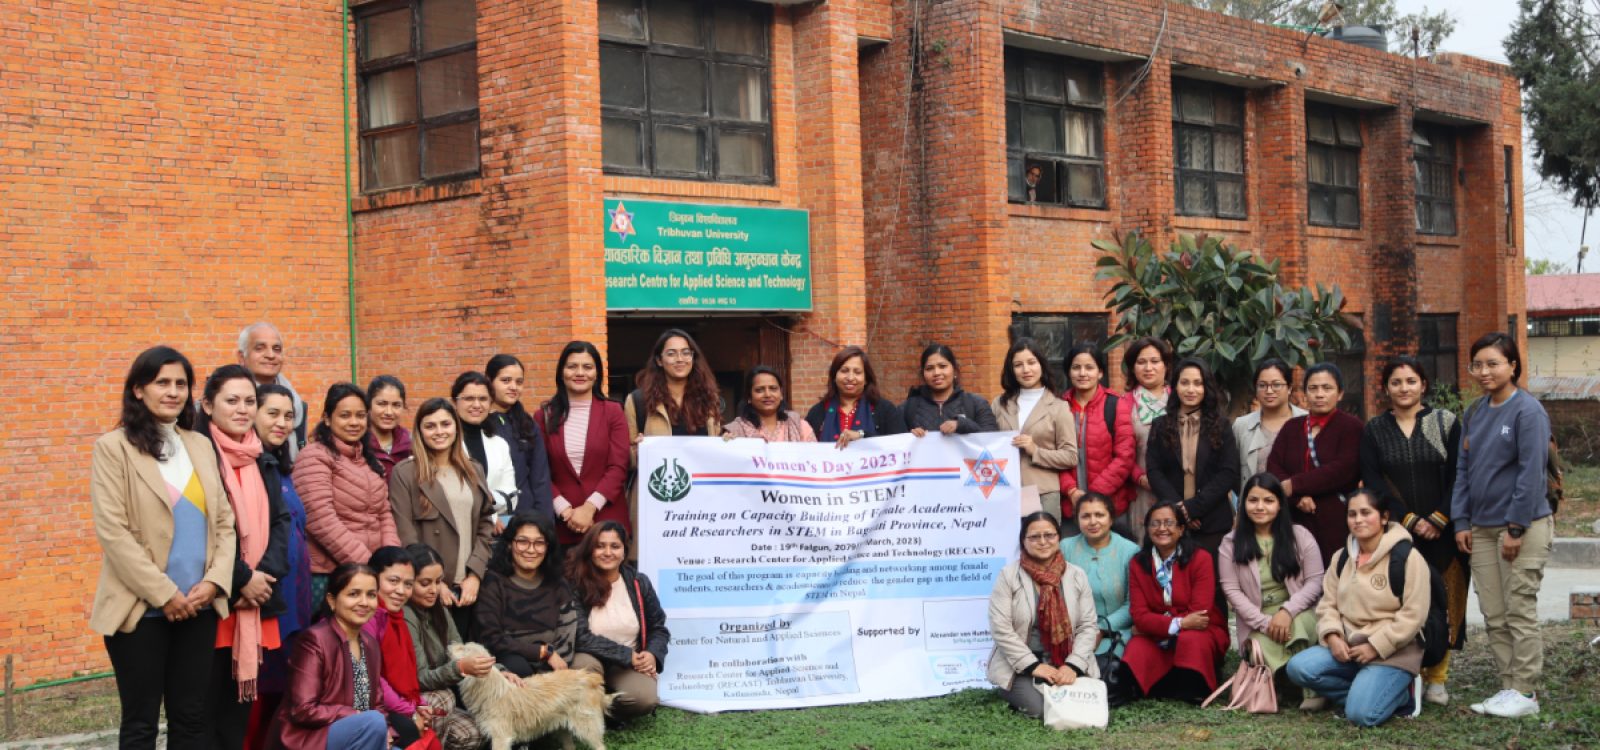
(1436, 694)
(1514, 706)
(1493, 700)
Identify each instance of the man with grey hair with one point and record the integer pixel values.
(261, 352)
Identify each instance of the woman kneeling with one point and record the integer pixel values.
(1171, 587)
(622, 629)
(1042, 618)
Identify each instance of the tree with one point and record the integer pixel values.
(1544, 267)
(1553, 52)
(1432, 27)
(1223, 305)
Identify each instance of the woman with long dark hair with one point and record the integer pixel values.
(1502, 515)
(439, 498)
(1193, 458)
(390, 440)
(261, 524)
(1318, 459)
(1410, 453)
(1047, 439)
(335, 701)
(622, 629)
(471, 395)
(675, 393)
(1272, 576)
(764, 411)
(522, 434)
(586, 437)
(1146, 364)
(939, 404)
(167, 543)
(1257, 431)
(1106, 449)
(342, 484)
(433, 632)
(1177, 637)
(852, 407)
(526, 614)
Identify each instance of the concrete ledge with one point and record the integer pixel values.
(1575, 552)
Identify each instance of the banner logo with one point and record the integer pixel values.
(669, 483)
(987, 472)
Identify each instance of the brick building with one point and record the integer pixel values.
(172, 174)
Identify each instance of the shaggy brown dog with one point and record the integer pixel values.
(571, 699)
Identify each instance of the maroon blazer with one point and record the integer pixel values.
(605, 465)
(1337, 473)
(1194, 588)
(321, 687)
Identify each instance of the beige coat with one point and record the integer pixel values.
(1055, 437)
(1361, 608)
(422, 514)
(1013, 608)
(133, 521)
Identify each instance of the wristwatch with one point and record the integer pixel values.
(1515, 532)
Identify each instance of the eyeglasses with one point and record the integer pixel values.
(1272, 387)
(1477, 367)
(1163, 524)
(526, 545)
(1041, 538)
(678, 355)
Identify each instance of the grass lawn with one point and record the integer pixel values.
(1581, 506)
(978, 719)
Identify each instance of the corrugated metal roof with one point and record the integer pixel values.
(1551, 388)
(1568, 292)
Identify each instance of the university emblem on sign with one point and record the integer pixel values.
(985, 472)
(621, 221)
(669, 483)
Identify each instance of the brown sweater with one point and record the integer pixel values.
(1361, 607)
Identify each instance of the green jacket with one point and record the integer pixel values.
(435, 669)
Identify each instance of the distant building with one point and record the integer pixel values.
(1564, 325)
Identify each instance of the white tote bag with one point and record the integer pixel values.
(1081, 705)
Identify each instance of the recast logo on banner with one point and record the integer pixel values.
(670, 482)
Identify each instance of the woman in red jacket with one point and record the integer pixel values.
(586, 437)
(1105, 438)
(1317, 457)
(1177, 639)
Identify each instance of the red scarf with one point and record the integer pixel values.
(1315, 422)
(1055, 624)
(400, 659)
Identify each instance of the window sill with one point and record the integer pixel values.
(1340, 233)
(1236, 226)
(1441, 240)
(410, 196)
(1064, 213)
(652, 187)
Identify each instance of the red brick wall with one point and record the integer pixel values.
(170, 175)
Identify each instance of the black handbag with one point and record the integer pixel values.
(1121, 688)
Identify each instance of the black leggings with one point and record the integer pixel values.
(229, 718)
(164, 662)
(1181, 684)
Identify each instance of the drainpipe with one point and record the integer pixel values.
(349, 200)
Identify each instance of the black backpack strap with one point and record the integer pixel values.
(1399, 554)
(639, 414)
(1111, 415)
(1338, 567)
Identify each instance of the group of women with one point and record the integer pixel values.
(311, 605)
(1299, 550)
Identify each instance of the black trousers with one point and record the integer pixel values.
(229, 718)
(165, 662)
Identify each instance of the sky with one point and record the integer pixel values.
(1551, 226)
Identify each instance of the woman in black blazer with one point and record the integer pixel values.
(1192, 459)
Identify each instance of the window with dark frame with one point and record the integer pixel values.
(1437, 348)
(1333, 167)
(1055, 130)
(1352, 363)
(685, 89)
(1433, 152)
(1056, 333)
(417, 68)
(1208, 141)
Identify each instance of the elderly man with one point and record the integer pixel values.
(261, 352)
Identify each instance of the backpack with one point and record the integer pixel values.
(1111, 415)
(1435, 632)
(1554, 467)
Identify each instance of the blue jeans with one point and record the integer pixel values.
(1370, 693)
(364, 731)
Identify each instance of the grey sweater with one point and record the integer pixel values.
(1500, 476)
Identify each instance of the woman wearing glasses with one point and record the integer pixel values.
(1318, 459)
(526, 614)
(1042, 618)
(675, 394)
(1255, 432)
(1502, 518)
(1178, 637)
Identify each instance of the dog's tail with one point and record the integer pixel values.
(609, 699)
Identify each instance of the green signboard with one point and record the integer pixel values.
(687, 256)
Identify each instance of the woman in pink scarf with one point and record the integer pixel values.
(228, 411)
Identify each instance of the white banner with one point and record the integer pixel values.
(797, 574)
